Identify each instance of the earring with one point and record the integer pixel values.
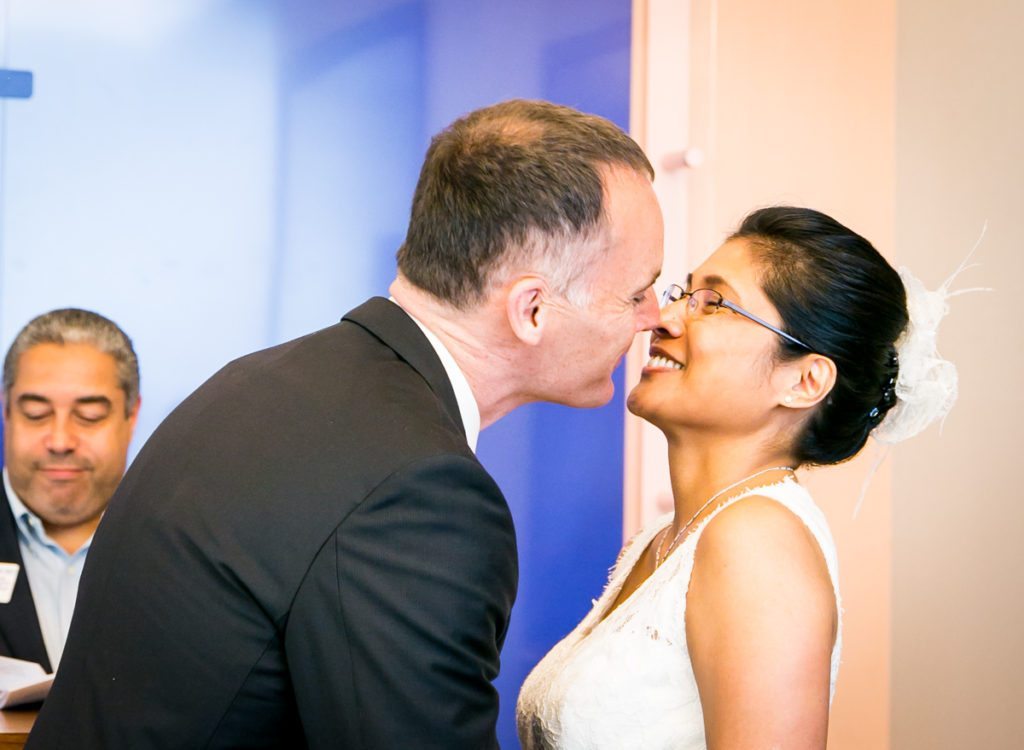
(788, 400)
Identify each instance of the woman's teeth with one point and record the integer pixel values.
(664, 363)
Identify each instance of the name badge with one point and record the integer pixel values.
(8, 577)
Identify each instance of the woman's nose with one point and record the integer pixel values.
(670, 325)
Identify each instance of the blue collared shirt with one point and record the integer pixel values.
(53, 574)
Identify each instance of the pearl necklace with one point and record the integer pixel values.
(659, 556)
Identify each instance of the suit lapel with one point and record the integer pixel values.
(20, 635)
(393, 326)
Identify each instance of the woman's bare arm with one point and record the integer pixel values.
(760, 623)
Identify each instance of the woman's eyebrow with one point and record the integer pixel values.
(712, 280)
(716, 281)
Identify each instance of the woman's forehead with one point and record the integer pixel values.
(732, 265)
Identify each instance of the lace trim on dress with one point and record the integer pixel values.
(623, 679)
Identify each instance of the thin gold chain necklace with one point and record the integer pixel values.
(659, 556)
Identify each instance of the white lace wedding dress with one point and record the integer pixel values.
(626, 681)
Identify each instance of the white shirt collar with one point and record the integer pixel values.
(22, 515)
(31, 524)
(469, 410)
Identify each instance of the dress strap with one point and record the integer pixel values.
(786, 492)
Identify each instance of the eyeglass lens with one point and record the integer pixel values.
(704, 301)
(673, 293)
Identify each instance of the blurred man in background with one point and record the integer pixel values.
(71, 400)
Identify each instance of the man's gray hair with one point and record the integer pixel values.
(519, 183)
(74, 326)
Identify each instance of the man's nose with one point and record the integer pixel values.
(648, 316)
(63, 436)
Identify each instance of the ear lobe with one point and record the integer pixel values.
(525, 308)
(817, 376)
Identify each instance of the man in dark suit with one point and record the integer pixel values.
(71, 399)
(307, 551)
(20, 635)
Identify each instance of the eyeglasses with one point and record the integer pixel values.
(708, 302)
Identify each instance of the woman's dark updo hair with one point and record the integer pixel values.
(839, 296)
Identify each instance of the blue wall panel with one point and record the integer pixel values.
(221, 175)
(567, 501)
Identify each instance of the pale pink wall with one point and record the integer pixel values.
(958, 506)
(908, 127)
(794, 103)
(804, 113)
(660, 120)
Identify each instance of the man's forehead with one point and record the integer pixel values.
(65, 366)
(65, 353)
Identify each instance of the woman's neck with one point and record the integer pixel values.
(701, 467)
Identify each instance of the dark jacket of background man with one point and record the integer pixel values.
(20, 636)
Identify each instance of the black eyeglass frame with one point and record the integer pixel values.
(675, 293)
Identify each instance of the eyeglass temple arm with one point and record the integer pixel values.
(766, 324)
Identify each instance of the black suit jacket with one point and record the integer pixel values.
(20, 635)
(306, 551)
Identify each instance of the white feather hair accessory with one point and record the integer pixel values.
(926, 386)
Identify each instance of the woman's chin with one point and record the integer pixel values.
(635, 401)
(649, 405)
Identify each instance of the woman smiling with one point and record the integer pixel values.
(721, 624)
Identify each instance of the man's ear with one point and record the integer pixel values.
(133, 416)
(810, 379)
(527, 308)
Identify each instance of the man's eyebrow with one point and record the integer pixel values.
(33, 398)
(95, 400)
(654, 278)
